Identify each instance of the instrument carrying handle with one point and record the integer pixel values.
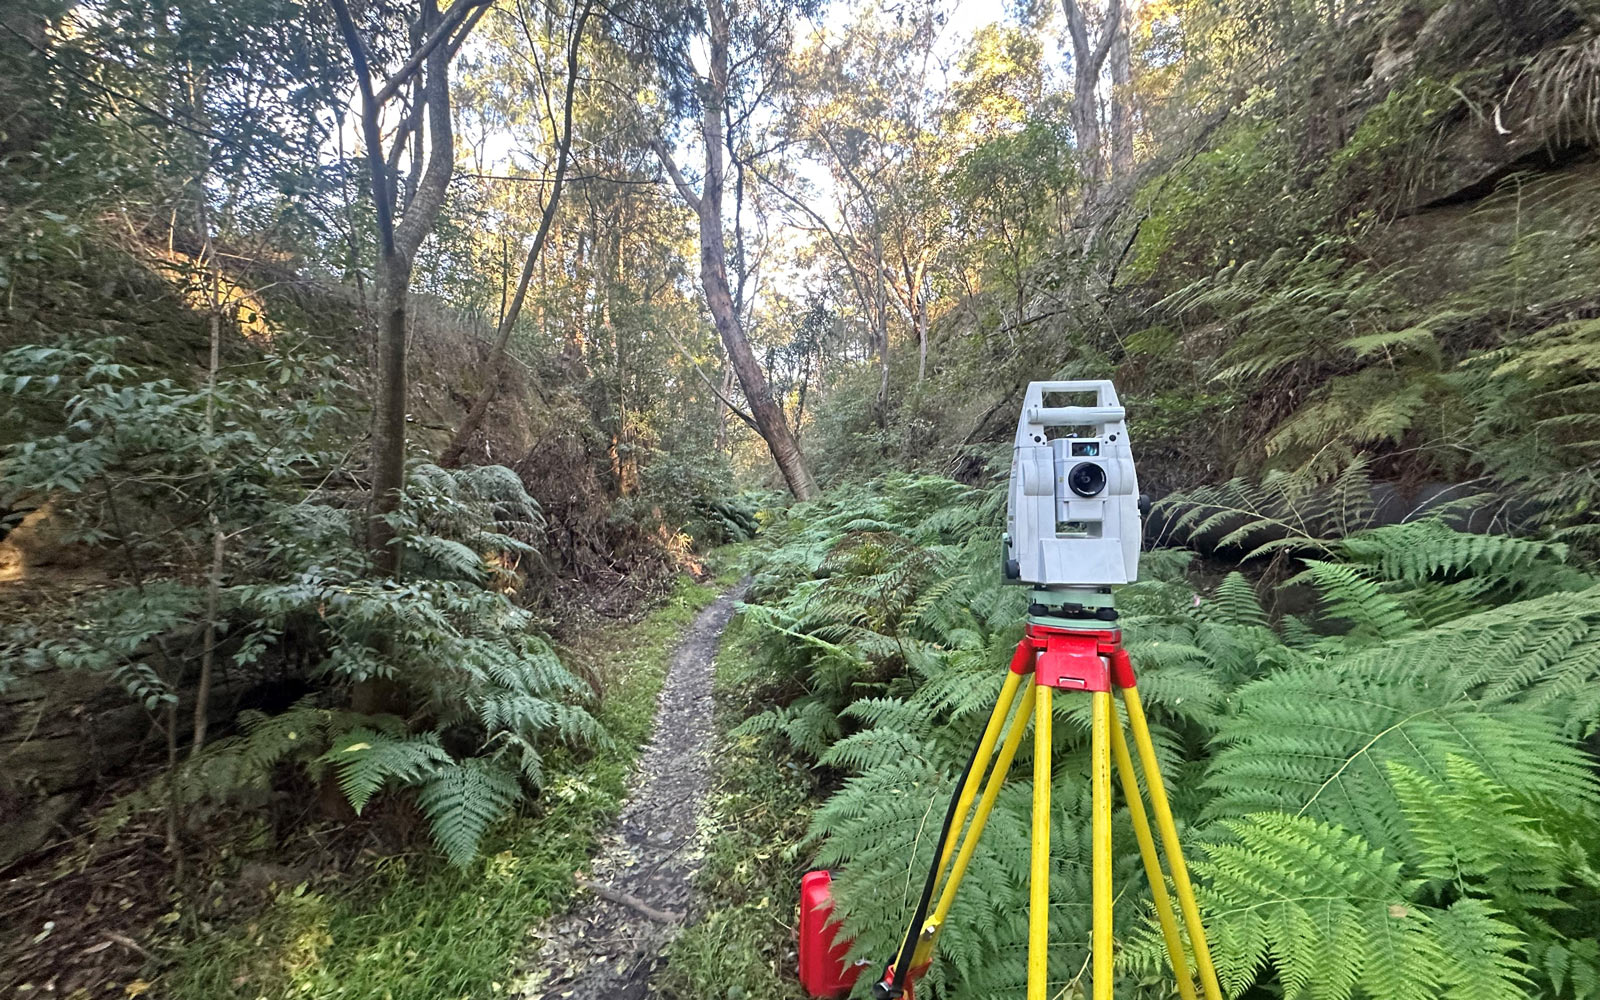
(1076, 385)
(1107, 408)
(1073, 416)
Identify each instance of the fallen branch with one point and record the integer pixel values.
(130, 944)
(632, 902)
(730, 404)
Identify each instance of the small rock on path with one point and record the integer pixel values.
(605, 947)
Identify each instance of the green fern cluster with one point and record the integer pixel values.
(244, 764)
(459, 657)
(868, 590)
(1485, 369)
(1386, 797)
(465, 656)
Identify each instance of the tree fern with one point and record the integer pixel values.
(1304, 896)
(1542, 653)
(873, 748)
(460, 655)
(1572, 967)
(246, 762)
(1352, 414)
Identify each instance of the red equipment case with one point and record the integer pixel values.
(823, 971)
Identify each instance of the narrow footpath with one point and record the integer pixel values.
(637, 895)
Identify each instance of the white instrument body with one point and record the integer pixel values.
(1059, 535)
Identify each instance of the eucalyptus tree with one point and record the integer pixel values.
(718, 63)
(1091, 45)
(864, 108)
(1010, 177)
(610, 316)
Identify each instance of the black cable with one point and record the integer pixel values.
(908, 948)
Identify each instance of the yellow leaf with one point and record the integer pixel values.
(352, 748)
(136, 987)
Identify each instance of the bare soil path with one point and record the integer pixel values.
(638, 892)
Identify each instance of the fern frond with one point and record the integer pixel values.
(1284, 512)
(809, 725)
(1422, 549)
(1235, 601)
(447, 558)
(1349, 596)
(365, 758)
(461, 801)
(1319, 742)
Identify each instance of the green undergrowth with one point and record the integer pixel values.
(743, 944)
(1388, 795)
(415, 927)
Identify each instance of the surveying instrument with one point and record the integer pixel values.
(1073, 533)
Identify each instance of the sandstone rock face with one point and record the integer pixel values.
(1500, 127)
(65, 734)
(60, 731)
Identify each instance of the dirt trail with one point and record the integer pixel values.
(612, 940)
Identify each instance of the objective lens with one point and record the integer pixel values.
(1087, 479)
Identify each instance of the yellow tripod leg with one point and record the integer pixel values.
(969, 844)
(1039, 861)
(980, 762)
(1169, 841)
(1152, 862)
(1100, 804)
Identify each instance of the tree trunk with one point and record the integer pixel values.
(1086, 124)
(915, 304)
(24, 41)
(707, 205)
(208, 265)
(769, 418)
(389, 412)
(402, 226)
(1121, 61)
(922, 340)
(1088, 57)
(880, 322)
(208, 656)
(723, 411)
